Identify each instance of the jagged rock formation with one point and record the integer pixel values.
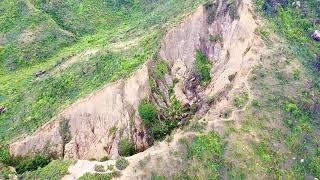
(92, 127)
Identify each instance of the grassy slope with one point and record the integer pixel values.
(279, 136)
(88, 24)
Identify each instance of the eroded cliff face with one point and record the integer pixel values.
(224, 32)
(92, 127)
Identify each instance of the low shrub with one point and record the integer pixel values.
(6, 158)
(160, 129)
(203, 67)
(147, 111)
(126, 148)
(122, 163)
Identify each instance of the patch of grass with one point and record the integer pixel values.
(54, 170)
(203, 157)
(90, 176)
(122, 163)
(161, 69)
(203, 67)
(241, 100)
(156, 177)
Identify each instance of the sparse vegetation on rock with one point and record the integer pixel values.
(203, 67)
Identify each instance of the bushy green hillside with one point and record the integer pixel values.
(43, 34)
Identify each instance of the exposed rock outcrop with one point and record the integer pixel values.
(316, 35)
(92, 127)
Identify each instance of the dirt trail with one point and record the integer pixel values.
(84, 56)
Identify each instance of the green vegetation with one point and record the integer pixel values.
(147, 111)
(161, 69)
(6, 158)
(240, 100)
(203, 157)
(32, 164)
(122, 163)
(203, 67)
(5, 172)
(126, 148)
(23, 164)
(161, 128)
(90, 176)
(54, 170)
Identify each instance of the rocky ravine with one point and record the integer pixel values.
(92, 127)
(233, 57)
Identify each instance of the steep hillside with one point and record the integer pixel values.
(110, 41)
(160, 89)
